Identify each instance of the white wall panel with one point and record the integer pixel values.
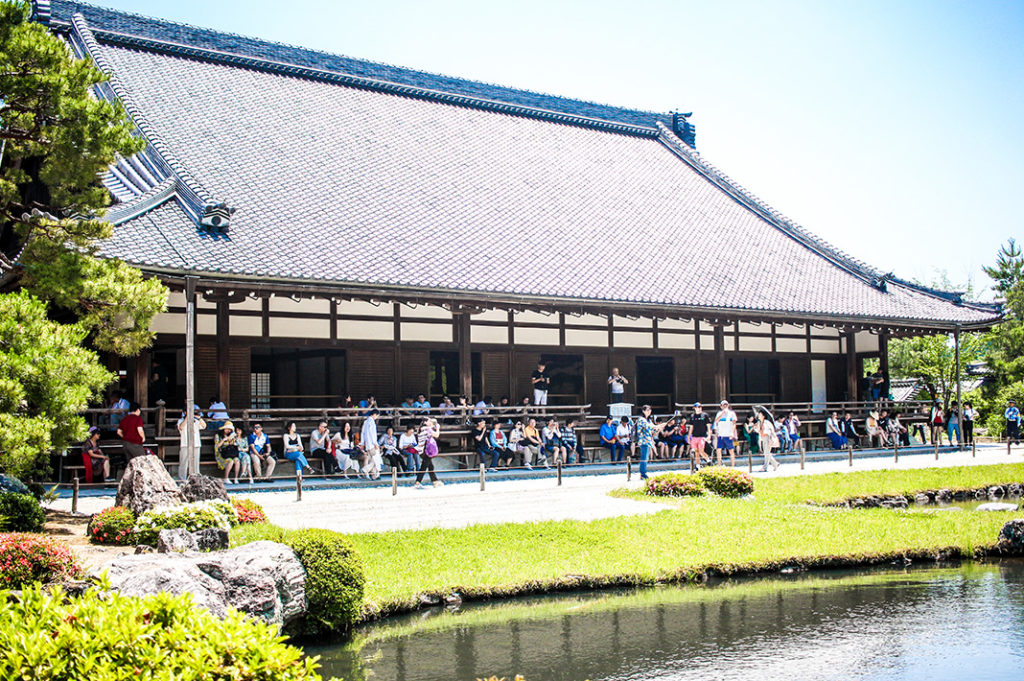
(790, 344)
(441, 333)
(590, 338)
(673, 341)
(488, 334)
(365, 330)
(633, 339)
(246, 326)
(527, 336)
(361, 307)
(755, 344)
(300, 328)
(302, 306)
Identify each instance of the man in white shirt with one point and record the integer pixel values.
(725, 427)
(617, 384)
(372, 459)
(320, 449)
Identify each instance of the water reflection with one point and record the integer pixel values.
(965, 623)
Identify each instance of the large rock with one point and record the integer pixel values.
(147, 484)
(996, 506)
(177, 540)
(263, 579)
(211, 539)
(204, 488)
(1011, 537)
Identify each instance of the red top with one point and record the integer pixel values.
(130, 425)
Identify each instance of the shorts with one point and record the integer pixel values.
(698, 444)
(726, 443)
(794, 437)
(676, 440)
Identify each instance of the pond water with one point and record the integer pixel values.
(964, 622)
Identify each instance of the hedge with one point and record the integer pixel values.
(21, 512)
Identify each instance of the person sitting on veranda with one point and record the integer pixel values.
(408, 446)
(624, 436)
(319, 447)
(849, 430)
(672, 441)
(217, 413)
(609, 439)
(551, 437)
(874, 430)
(533, 442)
(793, 429)
(482, 444)
(261, 452)
(833, 430)
(293, 450)
(573, 443)
(389, 448)
(498, 441)
(517, 443)
(346, 454)
(782, 433)
(897, 431)
(97, 464)
(226, 449)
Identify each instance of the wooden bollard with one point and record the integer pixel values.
(849, 451)
(750, 461)
(74, 495)
(559, 473)
(936, 450)
(974, 449)
(298, 488)
(629, 468)
(483, 477)
(394, 481)
(803, 458)
(1007, 448)
(692, 463)
(895, 450)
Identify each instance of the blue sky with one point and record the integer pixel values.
(893, 129)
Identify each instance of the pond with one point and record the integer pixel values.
(963, 622)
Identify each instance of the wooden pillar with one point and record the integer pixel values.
(959, 404)
(465, 355)
(140, 378)
(720, 364)
(223, 352)
(852, 379)
(191, 446)
(396, 383)
(883, 361)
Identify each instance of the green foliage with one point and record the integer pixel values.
(726, 482)
(932, 359)
(29, 558)
(46, 379)
(112, 525)
(110, 637)
(674, 485)
(58, 139)
(1006, 341)
(335, 580)
(22, 512)
(994, 421)
(199, 515)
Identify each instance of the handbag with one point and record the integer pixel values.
(430, 447)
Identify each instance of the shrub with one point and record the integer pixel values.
(22, 512)
(112, 526)
(674, 485)
(726, 482)
(110, 636)
(334, 579)
(248, 511)
(27, 558)
(199, 515)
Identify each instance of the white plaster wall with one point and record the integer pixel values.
(488, 334)
(589, 338)
(300, 328)
(412, 331)
(633, 339)
(303, 306)
(673, 341)
(528, 336)
(366, 330)
(361, 307)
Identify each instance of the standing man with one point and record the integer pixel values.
(969, 416)
(645, 432)
(725, 427)
(1012, 416)
(617, 384)
(132, 433)
(700, 424)
(372, 459)
(541, 381)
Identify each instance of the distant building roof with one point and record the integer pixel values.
(345, 172)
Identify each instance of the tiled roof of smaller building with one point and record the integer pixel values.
(327, 178)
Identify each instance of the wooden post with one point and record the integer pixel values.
(692, 453)
(559, 473)
(959, 404)
(974, 449)
(140, 378)
(896, 449)
(852, 378)
(1007, 449)
(223, 352)
(298, 488)
(750, 460)
(849, 451)
(394, 481)
(803, 457)
(465, 356)
(74, 494)
(191, 446)
(936, 443)
(720, 363)
(629, 468)
(883, 361)
(483, 477)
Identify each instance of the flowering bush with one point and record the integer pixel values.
(20, 512)
(674, 485)
(112, 526)
(726, 482)
(199, 515)
(248, 511)
(27, 558)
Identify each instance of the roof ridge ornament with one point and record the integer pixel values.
(207, 210)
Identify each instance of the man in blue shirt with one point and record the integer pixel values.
(262, 453)
(1012, 416)
(609, 440)
(421, 402)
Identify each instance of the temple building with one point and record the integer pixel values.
(353, 227)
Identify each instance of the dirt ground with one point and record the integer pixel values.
(70, 528)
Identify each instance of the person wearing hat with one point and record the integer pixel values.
(226, 449)
(97, 464)
(725, 430)
(698, 429)
(1012, 416)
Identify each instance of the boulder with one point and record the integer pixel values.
(995, 492)
(1014, 489)
(944, 495)
(263, 579)
(1011, 537)
(147, 484)
(921, 499)
(177, 540)
(997, 506)
(211, 539)
(204, 488)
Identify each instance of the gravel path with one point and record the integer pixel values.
(458, 505)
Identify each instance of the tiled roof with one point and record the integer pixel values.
(333, 182)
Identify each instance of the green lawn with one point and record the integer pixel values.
(689, 536)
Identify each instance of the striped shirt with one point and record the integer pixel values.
(644, 432)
